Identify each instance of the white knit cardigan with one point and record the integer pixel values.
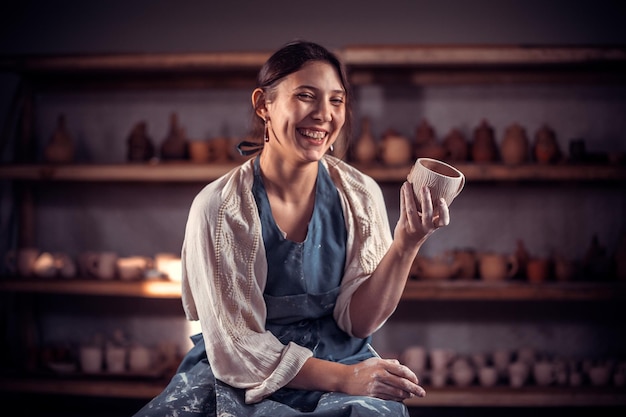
(225, 271)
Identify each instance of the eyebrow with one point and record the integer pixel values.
(341, 91)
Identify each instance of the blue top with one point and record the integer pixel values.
(304, 278)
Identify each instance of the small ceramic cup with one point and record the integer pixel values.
(443, 180)
(91, 359)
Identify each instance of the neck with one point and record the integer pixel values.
(286, 180)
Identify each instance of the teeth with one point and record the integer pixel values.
(314, 134)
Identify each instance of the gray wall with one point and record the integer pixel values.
(484, 217)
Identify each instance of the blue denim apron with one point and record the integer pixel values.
(303, 281)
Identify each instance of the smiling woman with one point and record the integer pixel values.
(282, 258)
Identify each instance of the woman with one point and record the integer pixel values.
(290, 266)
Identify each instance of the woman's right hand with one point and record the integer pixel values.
(386, 379)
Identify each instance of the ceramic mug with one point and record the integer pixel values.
(169, 265)
(487, 376)
(414, 357)
(45, 266)
(497, 267)
(132, 267)
(440, 358)
(443, 180)
(115, 358)
(91, 359)
(102, 265)
(21, 261)
(544, 373)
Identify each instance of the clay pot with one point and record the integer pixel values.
(564, 269)
(466, 258)
(484, 147)
(60, 149)
(140, 147)
(365, 148)
(218, 149)
(395, 149)
(424, 134)
(515, 147)
(426, 143)
(435, 268)
(538, 270)
(497, 267)
(456, 146)
(546, 148)
(174, 147)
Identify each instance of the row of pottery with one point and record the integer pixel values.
(441, 366)
(515, 147)
(31, 262)
(468, 264)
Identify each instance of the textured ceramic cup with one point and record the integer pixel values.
(443, 180)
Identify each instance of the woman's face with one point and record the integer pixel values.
(306, 113)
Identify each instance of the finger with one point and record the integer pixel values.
(427, 208)
(444, 214)
(408, 205)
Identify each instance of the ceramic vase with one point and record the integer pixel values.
(140, 147)
(515, 147)
(456, 146)
(365, 148)
(484, 147)
(60, 149)
(174, 147)
(546, 148)
(426, 143)
(395, 149)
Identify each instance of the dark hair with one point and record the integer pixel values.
(291, 58)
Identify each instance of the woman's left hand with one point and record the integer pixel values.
(415, 225)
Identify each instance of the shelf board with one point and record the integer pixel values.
(117, 63)
(435, 397)
(519, 397)
(473, 55)
(192, 172)
(414, 290)
(144, 289)
(512, 291)
(84, 387)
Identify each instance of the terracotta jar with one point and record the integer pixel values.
(395, 149)
(497, 267)
(175, 144)
(365, 148)
(60, 149)
(546, 148)
(426, 143)
(515, 147)
(538, 270)
(456, 146)
(140, 147)
(484, 147)
(466, 258)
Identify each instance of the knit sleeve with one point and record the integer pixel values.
(224, 273)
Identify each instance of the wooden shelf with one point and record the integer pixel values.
(414, 290)
(191, 172)
(519, 397)
(435, 397)
(83, 387)
(513, 291)
(144, 289)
